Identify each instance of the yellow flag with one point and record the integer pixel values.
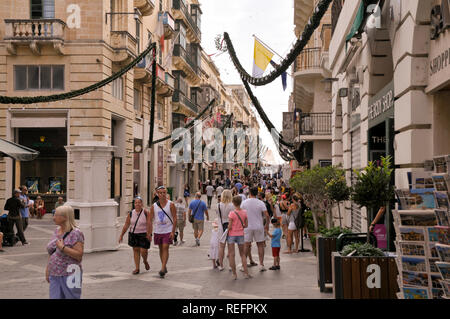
(262, 57)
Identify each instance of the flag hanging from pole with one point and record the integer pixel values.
(261, 58)
(283, 75)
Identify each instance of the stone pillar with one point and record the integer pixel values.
(98, 212)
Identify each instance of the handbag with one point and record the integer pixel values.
(138, 240)
(191, 217)
(224, 225)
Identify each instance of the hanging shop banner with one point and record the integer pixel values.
(381, 106)
(160, 165)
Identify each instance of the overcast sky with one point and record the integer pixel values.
(272, 22)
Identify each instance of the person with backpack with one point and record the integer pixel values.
(237, 223)
(163, 214)
(294, 219)
(139, 224)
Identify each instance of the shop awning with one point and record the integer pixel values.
(16, 151)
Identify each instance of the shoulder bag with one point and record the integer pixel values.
(191, 217)
(138, 240)
(242, 223)
(64, 237)
(159, 205)
(224, 225)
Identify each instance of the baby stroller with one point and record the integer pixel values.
(9, 239)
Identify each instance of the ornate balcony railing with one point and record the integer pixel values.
(315, 124)
(168, 23)
(178, 50)
(308, 59)
(178, 96)
(179, 5)
(34, 32)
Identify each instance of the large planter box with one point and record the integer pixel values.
(364, 277)
(325, 247)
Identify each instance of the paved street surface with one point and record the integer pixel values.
(190, 273)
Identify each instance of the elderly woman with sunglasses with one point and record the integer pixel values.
(140, 233)
(65, 249)
(163, 214)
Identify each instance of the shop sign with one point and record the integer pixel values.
(382, 102)
(160, 165)
(439, 55)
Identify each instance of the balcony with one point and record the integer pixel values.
(34, 33)
(146, 7)
(181, 11)
(182, 105)
(302, 11)
(168, 23)
(308, 62)
(164, 81)
(183, 61)
(315, 126)
(124, 45)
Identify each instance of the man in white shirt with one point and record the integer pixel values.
(209, 194)
(256, 213)
(219, 190)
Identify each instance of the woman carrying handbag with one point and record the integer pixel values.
(140, 233)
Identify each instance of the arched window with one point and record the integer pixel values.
(42, 9)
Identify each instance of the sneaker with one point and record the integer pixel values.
(247, 276)
(175, 243)
(262, 268)
(273, 268)
(278, 267)
(221, 268)
(197, 241)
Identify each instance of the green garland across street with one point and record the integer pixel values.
(189, 125)
(72, 94)
(313, 23)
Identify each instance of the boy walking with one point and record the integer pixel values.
(276, 244)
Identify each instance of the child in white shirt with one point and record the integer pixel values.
(214, 245)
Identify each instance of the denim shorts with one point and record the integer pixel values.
(236, 240)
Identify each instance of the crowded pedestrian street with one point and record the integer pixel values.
(107, 275)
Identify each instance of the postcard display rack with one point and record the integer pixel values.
(422, 224)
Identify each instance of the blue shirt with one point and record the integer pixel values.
(24, 211)
(276, 239)
(238, 186)
(198, 213)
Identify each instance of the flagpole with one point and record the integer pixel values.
(270, 49)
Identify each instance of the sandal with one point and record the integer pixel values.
(162, 274)
(135, 272)
(147, 266)
(252, 264)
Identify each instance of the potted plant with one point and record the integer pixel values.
(361, 271)
(338, 191)
(326, 245)
(373, 188)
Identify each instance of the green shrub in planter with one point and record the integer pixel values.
(361, 250)
(335, 232)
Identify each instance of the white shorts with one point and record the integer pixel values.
(292, 226)
(251, 235)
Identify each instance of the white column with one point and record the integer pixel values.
(98, 212)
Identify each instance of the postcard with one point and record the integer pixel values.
(432, 251)
(441, 182)
(440, 164)
(446, 285)
(412, 233)
(442, 217)
(442, 200)
(444, 269)
(423, 198)
(417, 218)
(433, 234)
(412, 249)
(438, 293)
(443, 252)
(433, 268)
(414, 264)
(415, 278)
(435, 281)
(443, 234)
(415, 293)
